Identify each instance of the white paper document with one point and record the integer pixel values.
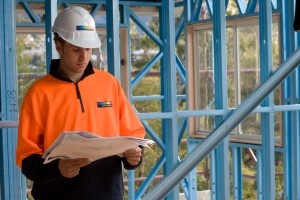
(80, 144)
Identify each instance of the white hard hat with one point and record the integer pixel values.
(76, 26)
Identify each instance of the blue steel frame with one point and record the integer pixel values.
(10, 176)
(13, 185)
(267, 155)
(221, 132)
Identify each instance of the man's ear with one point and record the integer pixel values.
(58, 47)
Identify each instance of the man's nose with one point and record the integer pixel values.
(83, 54)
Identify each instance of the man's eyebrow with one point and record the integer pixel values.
(73, 46)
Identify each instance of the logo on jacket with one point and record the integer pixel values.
(102, 104)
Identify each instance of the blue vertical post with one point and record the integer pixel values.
(290, 96)
(12, 183)
(192, 176)
(50, 15)
(124, 20)
(113, 40)
(169, 103)
(259, 179)
(267, 119)
(237, 172)
(221, 170)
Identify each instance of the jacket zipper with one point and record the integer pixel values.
(79, 97)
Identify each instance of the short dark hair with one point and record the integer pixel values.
(57, 38)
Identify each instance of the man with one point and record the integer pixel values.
(75, 96)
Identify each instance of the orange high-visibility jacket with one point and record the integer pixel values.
(54, 104)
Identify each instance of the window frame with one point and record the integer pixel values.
(193, 93)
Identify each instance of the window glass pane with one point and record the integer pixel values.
(275, 45)
(251, 125)
(249, 57)
(204, 77)
(232, 67)
(206, 124)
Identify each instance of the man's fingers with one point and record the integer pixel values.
(133, 156)
(79, 161)
(136, 151)
(72, 174)
(71, 167)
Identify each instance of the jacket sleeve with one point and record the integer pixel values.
(34, 169)
(130, 124)
(30, 139)
(129, 166)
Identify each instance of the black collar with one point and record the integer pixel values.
(54, 71)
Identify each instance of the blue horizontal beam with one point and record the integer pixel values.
(9, 124)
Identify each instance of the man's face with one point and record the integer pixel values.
(73, 59)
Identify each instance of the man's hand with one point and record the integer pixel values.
(133, 156)
(71, 167)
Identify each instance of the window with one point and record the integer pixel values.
(243, 75)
